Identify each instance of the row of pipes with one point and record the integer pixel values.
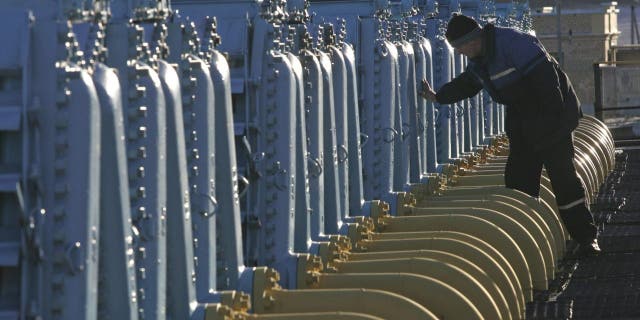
(274, 162)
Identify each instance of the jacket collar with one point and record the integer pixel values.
(488, 45)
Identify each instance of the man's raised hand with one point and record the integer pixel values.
(427, 92)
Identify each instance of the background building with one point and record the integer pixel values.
(587, 29)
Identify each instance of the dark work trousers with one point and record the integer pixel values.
(523, 170)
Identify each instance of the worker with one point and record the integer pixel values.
(542, 110)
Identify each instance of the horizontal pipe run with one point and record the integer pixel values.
(269, 297)
(535, 210)
(484, 295)
(499, 212)
(338, 315)
(379, 303)
(534, 245)
(466, 246)
(522, 249)
(434, 294)
(484, 269)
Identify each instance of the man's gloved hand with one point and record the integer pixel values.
(427, 92)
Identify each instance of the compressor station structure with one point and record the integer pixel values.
(262, 159)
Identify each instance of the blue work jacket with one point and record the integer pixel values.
(516, 70)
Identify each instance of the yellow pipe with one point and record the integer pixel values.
(379, 303)
(584, 142)
(546, 197)
(536, 253)
(478, 180)
(497, 160)
(498, 181)
(524, 215)
(461, 244)
(597, 136)
(417, 240)
(437, 296)
(490, 304)
(586, 135)
(268, 297)
(482, 171)
(479, 228)
(478, 264)
(588, 163)
(221, 312)
(542, 215)
(586, 168)
(493, 177)
(602, 134)
(218, 311)
(338, 315)
(489, 167)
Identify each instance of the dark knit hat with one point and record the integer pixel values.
(462, 29)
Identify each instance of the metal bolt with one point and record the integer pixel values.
(142, 153)
(137, 92)
(140, 172)
(133, 193)
(142, 253)
(195, 171)
(141, 295)
(142, 273)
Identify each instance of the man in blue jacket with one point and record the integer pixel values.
(542, 112)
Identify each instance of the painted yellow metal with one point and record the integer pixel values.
(467, 246)
(484, 269)
(536, 210)
(599, 139)
(482, 170)
(497, 160)
(493, 174)
(588, 137)
(516, 243)
(269, 297)
(547, 199)
(537, 251)
(435, 295)
(488, 181)
(338, 315)
(490, 306)
(601, 133)
(478, 180)
(477, 227)
(238, 301)
(593, 138)
(218, 311)
(522, 214)
(594, 158)
(585, 169)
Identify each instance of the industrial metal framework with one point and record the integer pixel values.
(217, 159)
